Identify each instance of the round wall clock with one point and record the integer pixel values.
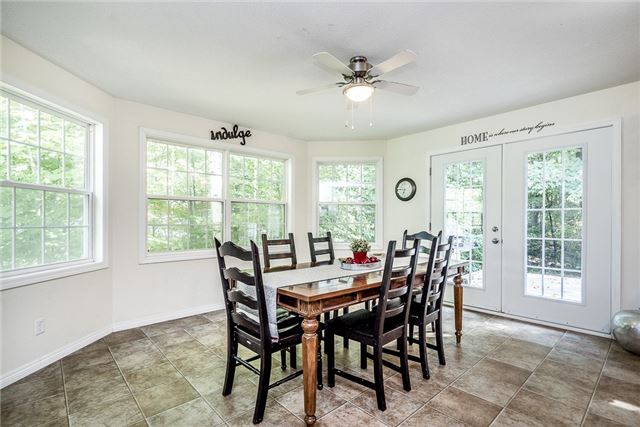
(405, 189)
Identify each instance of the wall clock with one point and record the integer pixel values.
(405, 189)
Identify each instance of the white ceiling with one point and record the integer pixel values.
(242, 63)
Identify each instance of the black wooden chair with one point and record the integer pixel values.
(270, 255)
(315, 252)
(248, 324)
(426, 308)
(425, 240)
(385, 323)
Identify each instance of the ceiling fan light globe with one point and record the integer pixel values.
(358, 92)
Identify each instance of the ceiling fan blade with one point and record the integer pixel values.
(317, 89)
(331, 64)
(401, 88)
(403, 58)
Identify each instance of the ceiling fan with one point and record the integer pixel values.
(360, 77)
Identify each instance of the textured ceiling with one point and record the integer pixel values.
(242, 63)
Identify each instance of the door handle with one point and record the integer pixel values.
(495, 240)
(495, 228)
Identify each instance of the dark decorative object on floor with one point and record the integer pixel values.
(626, 329)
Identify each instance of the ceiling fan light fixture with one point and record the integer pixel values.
(358, 92)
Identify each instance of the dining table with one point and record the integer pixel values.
(312, 299)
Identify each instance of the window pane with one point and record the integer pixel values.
(534, 282)
(6, 249)
(78, 209)
(51, 167)
(572, 224)
(157, 212)
(534, 253)
(572, 286)
(78, 239)
(4, 159)
(573, 255)
(214, 163)
(535, 178)
(179, 184)
(157, 155)
(28, 246)
(55, 245)
(534, 228)
(157, 238)
(178, 158)
(28, 208)
(553, 224)
(6, 207)
(250, 220)
(157, 182)
(552, 253)
(75, 139)
(51, 131)
(56, 209)
(178, 238)
(197, 160)
(24, 123)
(573, 178)
(552, 284)
(74, 171)
(24, 163)
(179, 212)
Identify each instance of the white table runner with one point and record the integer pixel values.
(278, 279)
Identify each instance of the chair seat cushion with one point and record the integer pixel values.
(361, 323)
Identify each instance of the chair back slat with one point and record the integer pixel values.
(315, 252)
(400, 294)
(269, 255)
(425, 239)
(436, 279)
(240, 297)
(243, 291)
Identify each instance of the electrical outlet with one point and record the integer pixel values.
(39, 326)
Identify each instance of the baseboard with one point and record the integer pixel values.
(156, 318)
(31, 367)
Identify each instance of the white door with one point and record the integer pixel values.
(466, 203)
(558, 207)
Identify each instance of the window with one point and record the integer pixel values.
(349, 201)
(195, 193)
(464, 208)
(554, 224)
(46, 188)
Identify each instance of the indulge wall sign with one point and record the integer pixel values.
(234, 133)
(475, 138)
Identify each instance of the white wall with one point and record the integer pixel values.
(148, 292)
(74, 307)
(408, 156)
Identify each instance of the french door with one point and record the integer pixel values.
(533, 221)
(466, 193)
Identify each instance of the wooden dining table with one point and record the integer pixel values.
(310, 300)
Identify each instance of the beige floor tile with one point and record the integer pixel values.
(593, 420)
(161, 328)
(95, 392)
(194, 413)
(577, 360)
(137, 354)
(346, 389)
(588, 345)
(274, 416)
(547, 411)
(177, 351)
(150, 376)
(465, 407)
(617, 400)
(28, 391)
(326, 401)
(622, 365)
(241, 399)
(123, 336)
(348, 415)
(509, 418)
(84, 359)
(492, 380)
(166, 340)
(523, 354)
(191, 321)
(35, 412)
(48, 372)
(399, 406)
(159, 398)
(538, 334)
(91, 374)
(118, 412)
(421, 390)
(427, 416)
(568, 384)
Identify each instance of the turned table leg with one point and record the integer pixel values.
(457, 303)
(309, 367)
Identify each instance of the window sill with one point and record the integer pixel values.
(30, 278)
(175, 257)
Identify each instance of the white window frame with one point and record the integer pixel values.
(226, 148)
(95, 179)
(315, 204)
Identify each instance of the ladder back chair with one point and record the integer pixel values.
(314, 252)
(248, 323)
(426, 308)
(383, 324)
(270, 255)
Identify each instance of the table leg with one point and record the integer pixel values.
(309, 367)
(457, 303)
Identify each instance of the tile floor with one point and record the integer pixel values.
(505, 373)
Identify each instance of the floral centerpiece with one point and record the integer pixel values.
(360, 247)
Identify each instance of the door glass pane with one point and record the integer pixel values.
(464, 216)
(554, 224)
